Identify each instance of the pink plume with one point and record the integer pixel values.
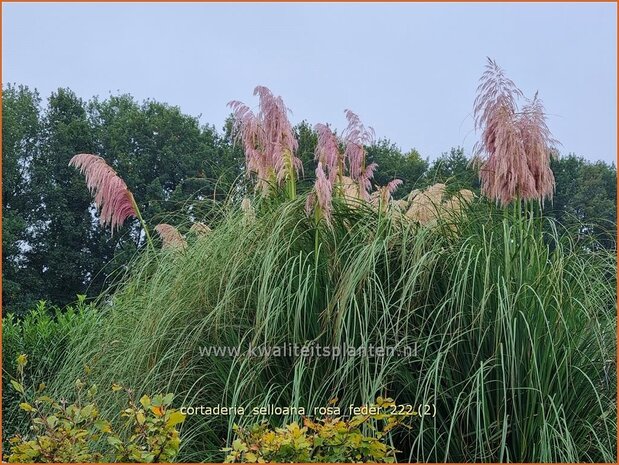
(514, 152)
(268, 137)
(356, 136)
(111, 195)
(327, 149)
(365, 180)
(393, 185)
(324, 191)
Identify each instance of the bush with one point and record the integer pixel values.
(73, 432)
(45, 333)
(328, 440)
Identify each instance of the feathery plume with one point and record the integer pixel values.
(248, 210)
(268, 139)
(328, 151)
(171, 238)
(426, 205)
(330, 165)
(199, 229)
(393, 185)
(458, 201)
(411, 196)
(310, 204)
(382, 197)
(350, 191)
(466, 195)
(401, 205)
(248, 128)
(514, 152)
(356, 136)
(495, 94)
(278, 130)
(436, 192)
(111, 195)
(365, 180)
(430, 205)
(323, 190)
(538, 145)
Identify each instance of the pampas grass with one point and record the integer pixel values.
(511, 343)
(111, 195)
(112, 198)
(268, 141)
(356, 137)
(199, 229)
(514, 152)
(328, 152)
(425, 206)
(170, 237)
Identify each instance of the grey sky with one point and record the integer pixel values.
(409, 70)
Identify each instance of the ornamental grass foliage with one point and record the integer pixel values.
(511, 316)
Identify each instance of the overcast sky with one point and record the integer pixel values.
(409, 70)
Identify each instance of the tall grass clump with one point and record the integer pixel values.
(263, 283)
(513, 347)
(497, 319)
(519, 352)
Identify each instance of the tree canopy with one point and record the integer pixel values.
(53, 245)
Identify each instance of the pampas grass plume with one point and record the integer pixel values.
(111, 196)
(171, 238)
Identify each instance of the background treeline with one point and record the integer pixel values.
(53, 247)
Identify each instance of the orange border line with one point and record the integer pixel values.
(285, 1)
(1, 208)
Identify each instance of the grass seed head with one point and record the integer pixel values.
(111, 195)
(513, 155)
(171, 238)
(199, 229)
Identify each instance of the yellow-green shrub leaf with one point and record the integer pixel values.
(175, 418)
(22, 359)
(18, 387)
(27, 407)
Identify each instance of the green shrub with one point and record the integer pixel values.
(66, 432)
(45, 333)
(327, 440)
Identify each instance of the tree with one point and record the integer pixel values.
(61, 245)
(585, 197)
(453, 168)
(392, 164)
(21, 132)
(307, 139)
(165, 157)
(56, 248)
